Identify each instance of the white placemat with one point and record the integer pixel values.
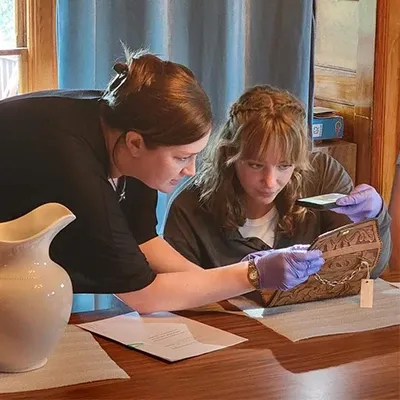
(77, 358)
(329, 317)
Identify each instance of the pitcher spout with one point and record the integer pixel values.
(44, 221)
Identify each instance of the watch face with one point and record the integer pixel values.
(253, 275)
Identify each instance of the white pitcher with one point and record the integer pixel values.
(35, 292)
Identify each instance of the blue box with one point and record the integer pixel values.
(326, 124)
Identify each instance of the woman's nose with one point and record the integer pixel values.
(190, 169)
(270, 179)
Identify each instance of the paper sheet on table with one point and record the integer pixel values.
(164, 335)
(328, 317)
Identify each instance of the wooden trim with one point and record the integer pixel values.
(20, 25)
(13, 52)
(41, 43)
(386, 120)
(20, 22)
(364, 89)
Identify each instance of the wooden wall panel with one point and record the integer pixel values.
(336, 59)
(364, 89)
(372, 117)
(337, 33)
(386, 119)
(335, 84)
(344, 71)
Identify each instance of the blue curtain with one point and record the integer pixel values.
(229, 44)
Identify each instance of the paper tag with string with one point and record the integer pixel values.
(367, 291)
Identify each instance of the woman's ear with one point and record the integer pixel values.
(135, 143)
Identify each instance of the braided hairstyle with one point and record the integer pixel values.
(263, 116)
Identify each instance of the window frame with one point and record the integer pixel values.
(35, 22)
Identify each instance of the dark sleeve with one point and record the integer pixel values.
(384, 221)
(139, 208)
(180, 229)
(98, 249)
(335, 179)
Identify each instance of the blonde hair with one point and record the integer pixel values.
(263, 116)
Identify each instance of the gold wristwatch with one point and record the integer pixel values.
(253, 275)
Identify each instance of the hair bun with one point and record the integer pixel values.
(121, 68)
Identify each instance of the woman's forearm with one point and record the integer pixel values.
(183, 290)
(163, 258)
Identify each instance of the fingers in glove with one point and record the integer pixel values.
(293, 283)
(355, 197)
(347, 210)
(315, 266)
(301, 256)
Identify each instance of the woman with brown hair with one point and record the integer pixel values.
(104, 155)
(254, 169)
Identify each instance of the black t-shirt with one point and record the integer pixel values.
(52, 150)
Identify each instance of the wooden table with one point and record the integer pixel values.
(364, 366)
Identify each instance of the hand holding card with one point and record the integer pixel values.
(321, 202)
(362, 203)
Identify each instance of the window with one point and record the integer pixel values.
(9, 55)
(27, 46)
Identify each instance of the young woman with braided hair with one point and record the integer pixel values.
(104, 155)
(243, 197)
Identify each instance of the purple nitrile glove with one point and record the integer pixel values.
(284, 269)
(362, 203)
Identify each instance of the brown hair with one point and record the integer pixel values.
(263, 116)
(159, 99)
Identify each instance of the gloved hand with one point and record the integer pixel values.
(362, 203)
(284, 269)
